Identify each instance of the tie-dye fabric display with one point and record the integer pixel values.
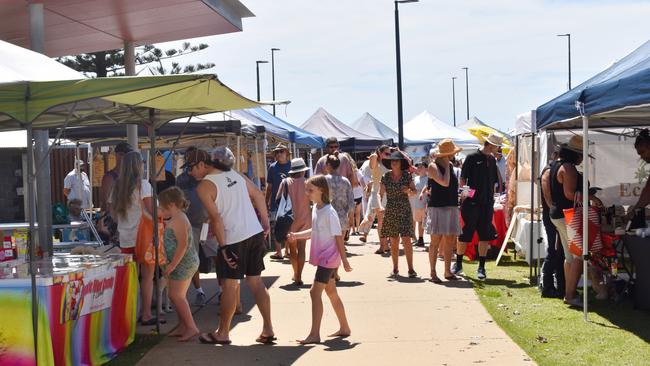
(86, 310)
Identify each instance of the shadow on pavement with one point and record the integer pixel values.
(339, 344)
(349, 283)
(255, 354)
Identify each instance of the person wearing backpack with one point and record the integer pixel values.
(292, 189)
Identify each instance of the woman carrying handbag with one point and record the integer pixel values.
(131, 204)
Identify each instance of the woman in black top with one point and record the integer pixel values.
(443, 214)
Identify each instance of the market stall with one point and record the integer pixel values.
(86, 309)
(618, 97)
(37, 102)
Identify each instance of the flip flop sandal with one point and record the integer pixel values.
(209, 338)
(435, 279)
(276, 257)
(379, 251)
(412, 274)
(452, 278)
(152, 321)
(362, 239)
(266, 339)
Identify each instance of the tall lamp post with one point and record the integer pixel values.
(467, 89)
(257, 69)
(453, 96)
(568, 36)
(273, 50)
(400, 115)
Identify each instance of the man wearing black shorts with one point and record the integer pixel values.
(230, 200)
(477, 208)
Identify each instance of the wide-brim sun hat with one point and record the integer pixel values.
(395, 155)
(574, 144)
(298, 165)
(445, 148)
(280, 147)
(494, 139)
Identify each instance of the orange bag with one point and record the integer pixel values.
(144, 249)
(573, 219)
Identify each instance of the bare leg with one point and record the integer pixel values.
(229, 300)
(278, 248)
(339, 309)
(263, 301)
(572, 277)
(146, 289)
(178, 296)
(483, 247)
(420, 230)
(196, 280)
(301, 258)
(408, 251)
(383, 245)
(394, 252)
(461, 247)
(293, 258)
(316, 294)
(436, 240)
(448, 245)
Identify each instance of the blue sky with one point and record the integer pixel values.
(341, 54)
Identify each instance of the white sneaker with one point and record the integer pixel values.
(200, 299)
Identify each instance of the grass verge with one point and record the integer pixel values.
(554, 334)
(133, 353)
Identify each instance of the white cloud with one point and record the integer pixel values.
(341, 54)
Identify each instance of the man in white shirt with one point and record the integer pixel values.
(228, 197)
(76, 185)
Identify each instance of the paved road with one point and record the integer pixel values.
(394, 322)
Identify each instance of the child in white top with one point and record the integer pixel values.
(327, 252)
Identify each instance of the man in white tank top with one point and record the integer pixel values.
(228, 198)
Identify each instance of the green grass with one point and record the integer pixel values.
(134, 352)
(554, 334)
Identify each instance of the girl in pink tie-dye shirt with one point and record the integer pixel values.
(327, 252)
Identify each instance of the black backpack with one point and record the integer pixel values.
(284, 218)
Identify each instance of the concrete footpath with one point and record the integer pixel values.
(394, 322)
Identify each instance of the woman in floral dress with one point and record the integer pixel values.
(398, 185)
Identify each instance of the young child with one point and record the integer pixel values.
(182, 256)
(327, 252)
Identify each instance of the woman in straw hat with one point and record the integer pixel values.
(443, 214)
(301, 210)
(398, 184)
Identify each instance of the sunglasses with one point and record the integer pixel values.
(333, 146)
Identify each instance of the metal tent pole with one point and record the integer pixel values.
(31, 247)
(154, 214)
(532, 209)
(585, 210)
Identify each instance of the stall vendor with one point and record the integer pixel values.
(642, 146)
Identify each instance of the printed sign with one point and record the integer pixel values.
(87, 295)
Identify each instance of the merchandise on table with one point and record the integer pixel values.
(86, 309)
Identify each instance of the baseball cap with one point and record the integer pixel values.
(194, 156)
(223, 155)
(123, 148)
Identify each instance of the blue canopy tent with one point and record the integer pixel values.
(298, 135)
(619, 96)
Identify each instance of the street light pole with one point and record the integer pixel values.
(400, 115)
(273, 74)
(467, 89)
(257, 69)
(453, 96)
(568, 36)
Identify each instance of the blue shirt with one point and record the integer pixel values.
(276, 173)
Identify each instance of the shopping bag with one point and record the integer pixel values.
(284, 218)
(144, 248)
(573, 219)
